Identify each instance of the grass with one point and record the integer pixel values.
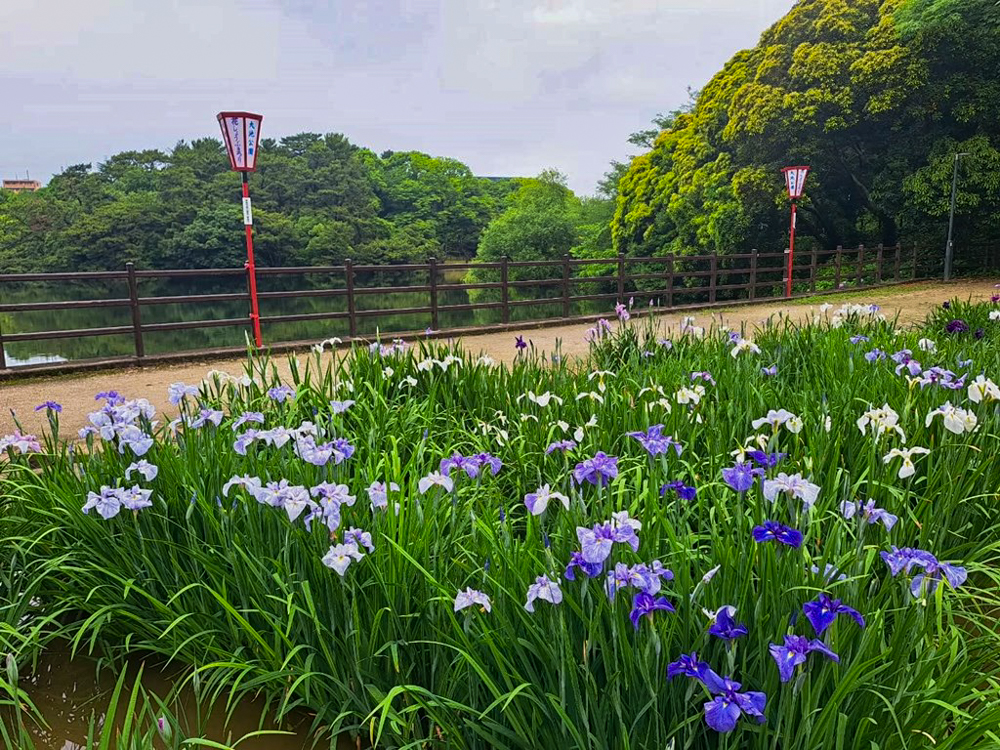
(238, 593)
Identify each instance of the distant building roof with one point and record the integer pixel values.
(21, 186)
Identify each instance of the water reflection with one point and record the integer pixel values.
(68, 691)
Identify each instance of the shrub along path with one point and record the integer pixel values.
(910, 302)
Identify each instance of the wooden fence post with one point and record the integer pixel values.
(914, 272)
(812, 270)
(895, 262)
(713, 266)
(753, 274)
(670, 279)
(352, 318)
(432, 275)
(838, 259)
(133, 302)
(859, 276)
(3, 356)
(504, 290)
(565, 286)
(621, 278)
(878, 263)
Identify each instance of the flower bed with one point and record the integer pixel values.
(712, 541)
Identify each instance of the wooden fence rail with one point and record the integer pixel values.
(667, 281)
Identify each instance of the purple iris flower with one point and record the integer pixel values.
(769, 371)
(822, 612)
(741, 476)
(687, 665)
(902, 356)
(598, 470)
(655, 442)
(576, 560)
(979, 333)
(874, 355)
(644, 605)
(868, 511)
(957, 326)
(859, 338)
(519, 343)
(946, 305)
(774, 531)
(560, 445)
(725, 626)
(723, 711)
(794, 653)
(905, 559)
(683, 491)
(280, 393)
(491, 462)
(766, 460)
(50, 406)
(457, 461)
(112, 397)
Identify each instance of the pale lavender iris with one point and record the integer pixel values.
(868, 511)
(655, 442)
(176, 392)
(280, 393)
(544, 589)
(471, 597)
(255, 417)
(146, 469)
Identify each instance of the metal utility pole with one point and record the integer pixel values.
(948, 248)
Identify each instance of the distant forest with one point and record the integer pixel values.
(877, 96)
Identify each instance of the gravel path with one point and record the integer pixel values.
(76, 392)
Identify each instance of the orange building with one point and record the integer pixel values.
(22, 186)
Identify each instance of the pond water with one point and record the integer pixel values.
(69, 691)
(160, 342)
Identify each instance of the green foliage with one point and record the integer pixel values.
(874, 96)
(317, 201)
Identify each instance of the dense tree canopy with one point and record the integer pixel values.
(875, 96)
(317, 200)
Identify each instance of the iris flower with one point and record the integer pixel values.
(869, 512)
(471, 596)
(683, 491)
(560, 445)
(146, 469)
(49, 406)
(576, 560)
(655, 442)
(598, 470)
(723, 711)
(543, 588)
(793, 485)
(435, 478)
(644, 605)
(537, 501)
(724, 625)
(823, 612)
(340, 556)
(906, 469)
(774, 531)
(794, 653)
(741, 476)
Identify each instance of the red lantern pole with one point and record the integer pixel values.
(795, 181)
(241, 135)
(250, 266)
(791, 253)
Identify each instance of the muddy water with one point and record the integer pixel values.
(68, 692)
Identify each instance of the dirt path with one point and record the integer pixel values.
(76, 392)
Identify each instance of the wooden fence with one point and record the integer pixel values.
(668, 282)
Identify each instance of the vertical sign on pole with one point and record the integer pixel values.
(795, 181)
(241, 134)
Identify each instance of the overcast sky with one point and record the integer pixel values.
(510, 87)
